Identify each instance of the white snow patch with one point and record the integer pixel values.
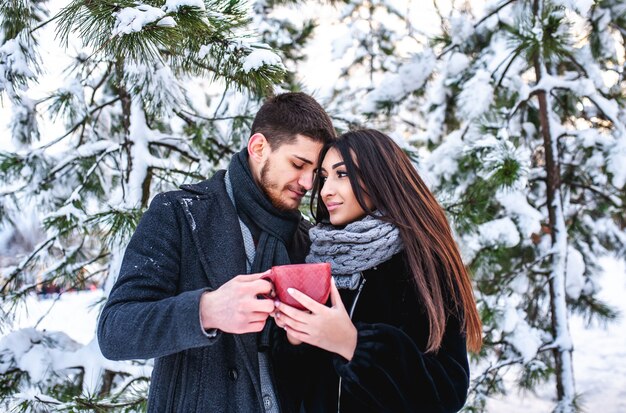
(410, 77)
(133, 19)
(442, 163)
(526, 340)
(14, 60)
(175, 5)
(167, 21)
(528, 218)
(499, 232)
(574, 273)
(476, 96)
(259, 58)
(461, 28)
(457, 63)
(581, 6)
(617, 161)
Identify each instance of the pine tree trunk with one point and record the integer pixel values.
(107, 383)
(558, 306)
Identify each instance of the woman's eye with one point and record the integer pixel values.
(297, 166)
(342, 174)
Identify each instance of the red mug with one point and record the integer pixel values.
(311, 279)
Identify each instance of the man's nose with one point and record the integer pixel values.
(306, 180)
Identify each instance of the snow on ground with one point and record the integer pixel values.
(599, 357)
(74, 313)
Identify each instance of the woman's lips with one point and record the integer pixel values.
(332, 206)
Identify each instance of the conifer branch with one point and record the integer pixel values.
(45, 23)
(91, 170)
(22, 265)
(180, 171)
(78, 125)
(494, 369)
(612, 199)
(184, 112)
(494, 11)
(71, 161)
(178, 149)
(514, 56)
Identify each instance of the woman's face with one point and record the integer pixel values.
(336, 192)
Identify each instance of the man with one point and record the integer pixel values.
(189, 285)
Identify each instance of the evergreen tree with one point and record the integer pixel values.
(524, 115)
(287, 35)
(156, 94)
(380, 75)
(518, 110)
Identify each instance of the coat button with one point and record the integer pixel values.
(232, 373)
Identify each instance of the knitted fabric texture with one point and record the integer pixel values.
(358, 246)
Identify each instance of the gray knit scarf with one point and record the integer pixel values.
(358, 246)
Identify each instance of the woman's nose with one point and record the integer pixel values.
(327, 189)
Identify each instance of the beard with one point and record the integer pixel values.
(273, 191)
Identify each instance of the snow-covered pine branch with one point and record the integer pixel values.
(135, 99)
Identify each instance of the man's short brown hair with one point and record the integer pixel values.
(284, 116)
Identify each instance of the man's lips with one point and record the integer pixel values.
(297, 193)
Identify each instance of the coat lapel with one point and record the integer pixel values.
(216, 234)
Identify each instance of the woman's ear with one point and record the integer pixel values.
(258, 147)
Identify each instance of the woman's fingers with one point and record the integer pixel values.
(296, 337)
(291, 311)
(308, 303)
(293, 340)
(283, 320)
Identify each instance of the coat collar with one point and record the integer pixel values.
(205, 187)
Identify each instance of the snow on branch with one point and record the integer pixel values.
(175, 5)
(134, 19)
(250, 55)
(410, 77)
(40, 353)
(582, 88)
(86, 150)
(14, 64)
(500, 232)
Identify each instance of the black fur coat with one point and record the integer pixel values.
(389, 371)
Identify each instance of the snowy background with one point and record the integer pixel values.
(599, 352)
(599, 358)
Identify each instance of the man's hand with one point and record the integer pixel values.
(235, 308)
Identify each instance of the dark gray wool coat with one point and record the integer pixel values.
(187, 242)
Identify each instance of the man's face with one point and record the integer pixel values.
(287, 173)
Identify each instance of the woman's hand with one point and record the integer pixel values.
(328, 328)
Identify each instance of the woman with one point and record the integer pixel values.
(402, 308)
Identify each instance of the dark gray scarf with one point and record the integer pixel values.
(271, 228)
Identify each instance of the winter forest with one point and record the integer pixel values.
(514, 112)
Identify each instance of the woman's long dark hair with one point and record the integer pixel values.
(379, 169)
